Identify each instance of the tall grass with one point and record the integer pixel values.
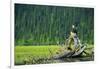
(28, 53)
(37, 54)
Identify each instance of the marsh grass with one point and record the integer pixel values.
(37, 54)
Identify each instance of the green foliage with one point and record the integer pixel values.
(28, 53)
(32, 54)
(43, 25)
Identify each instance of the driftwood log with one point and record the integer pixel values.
(68, 53)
